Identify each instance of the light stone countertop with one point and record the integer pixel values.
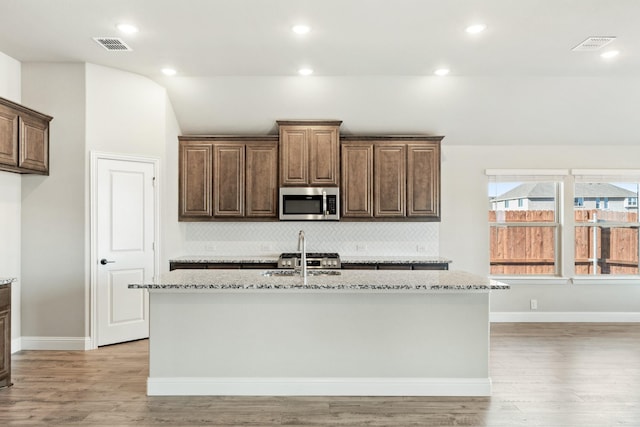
(247, 259)
(347, 259)
(383, 259)
(393, 281)
(6, 280)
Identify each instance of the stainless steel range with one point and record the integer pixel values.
(322, 260)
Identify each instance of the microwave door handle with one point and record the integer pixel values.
(324, 203)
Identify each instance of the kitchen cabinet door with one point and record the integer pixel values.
(5, 335)
(357, 180)
(262, 180)
(34, 144)
(324, 159)
(423, 180)
(228, 181)
(293, 155)
(8, 136)
(195, 179)
(389, 180)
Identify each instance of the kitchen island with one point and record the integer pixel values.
(370, 333)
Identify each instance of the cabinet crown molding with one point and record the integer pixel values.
(234, 138)
(26, 110)
(309, 122)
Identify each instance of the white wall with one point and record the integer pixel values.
(173, 232)
(10, 204)
(53, 242)
(467, 110)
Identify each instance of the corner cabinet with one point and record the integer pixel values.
(5, 335)
(24, 139)
(391, 178)
(309, 153)
(228, 177)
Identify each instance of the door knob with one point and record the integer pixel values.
(104, 261)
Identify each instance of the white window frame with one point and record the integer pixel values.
(608, 176)
(531, 175)
(566, 241)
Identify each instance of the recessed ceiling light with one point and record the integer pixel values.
(301, 29)
(475, 28)
(305, 71)
(169, 71)
(127, 28)
(609, 54)
(441, 72)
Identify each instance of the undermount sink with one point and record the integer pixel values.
(290, 273)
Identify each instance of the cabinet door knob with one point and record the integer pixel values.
(104, 261)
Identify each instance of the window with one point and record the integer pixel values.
(606, 233)
(631, 202)
(524, 241)
(603, 234)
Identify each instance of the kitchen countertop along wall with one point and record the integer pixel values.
(6, 281)
(267, 259)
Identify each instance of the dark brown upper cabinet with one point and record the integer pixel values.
(391, 178)
(228, 177)
(24, 139)
(309, 153)
(195, 183)
(357, 180)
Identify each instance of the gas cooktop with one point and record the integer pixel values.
(326, 260)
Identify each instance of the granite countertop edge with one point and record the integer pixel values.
(346, 281)
(6, 280)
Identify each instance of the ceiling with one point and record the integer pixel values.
(348, 37)
(373, 62)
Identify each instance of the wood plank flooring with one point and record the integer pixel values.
(543, 375)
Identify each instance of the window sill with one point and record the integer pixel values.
(532, 280)
(579, 280)
(603, 279)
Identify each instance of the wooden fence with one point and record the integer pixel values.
(531, 250)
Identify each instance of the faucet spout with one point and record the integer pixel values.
(302, 248)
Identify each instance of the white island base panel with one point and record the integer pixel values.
(319, 343)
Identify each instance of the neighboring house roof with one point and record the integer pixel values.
(545, 190)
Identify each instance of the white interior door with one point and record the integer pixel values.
(125, 236)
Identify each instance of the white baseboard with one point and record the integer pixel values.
(565, 316)
(180, 386)
(16, 345)
(55, 343)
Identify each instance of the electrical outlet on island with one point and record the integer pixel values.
(534, 304)
(421, 248)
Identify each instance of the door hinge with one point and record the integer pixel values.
(153, 181)
(153, 246)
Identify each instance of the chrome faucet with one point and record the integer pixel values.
(302, 248)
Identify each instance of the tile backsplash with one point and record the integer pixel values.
(346, 238)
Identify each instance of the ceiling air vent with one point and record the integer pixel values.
(593, 43)
(112, 43)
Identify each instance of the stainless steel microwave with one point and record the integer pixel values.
(309, 203)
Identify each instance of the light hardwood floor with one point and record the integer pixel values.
(543, 375)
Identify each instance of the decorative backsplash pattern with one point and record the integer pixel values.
(346, 238)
